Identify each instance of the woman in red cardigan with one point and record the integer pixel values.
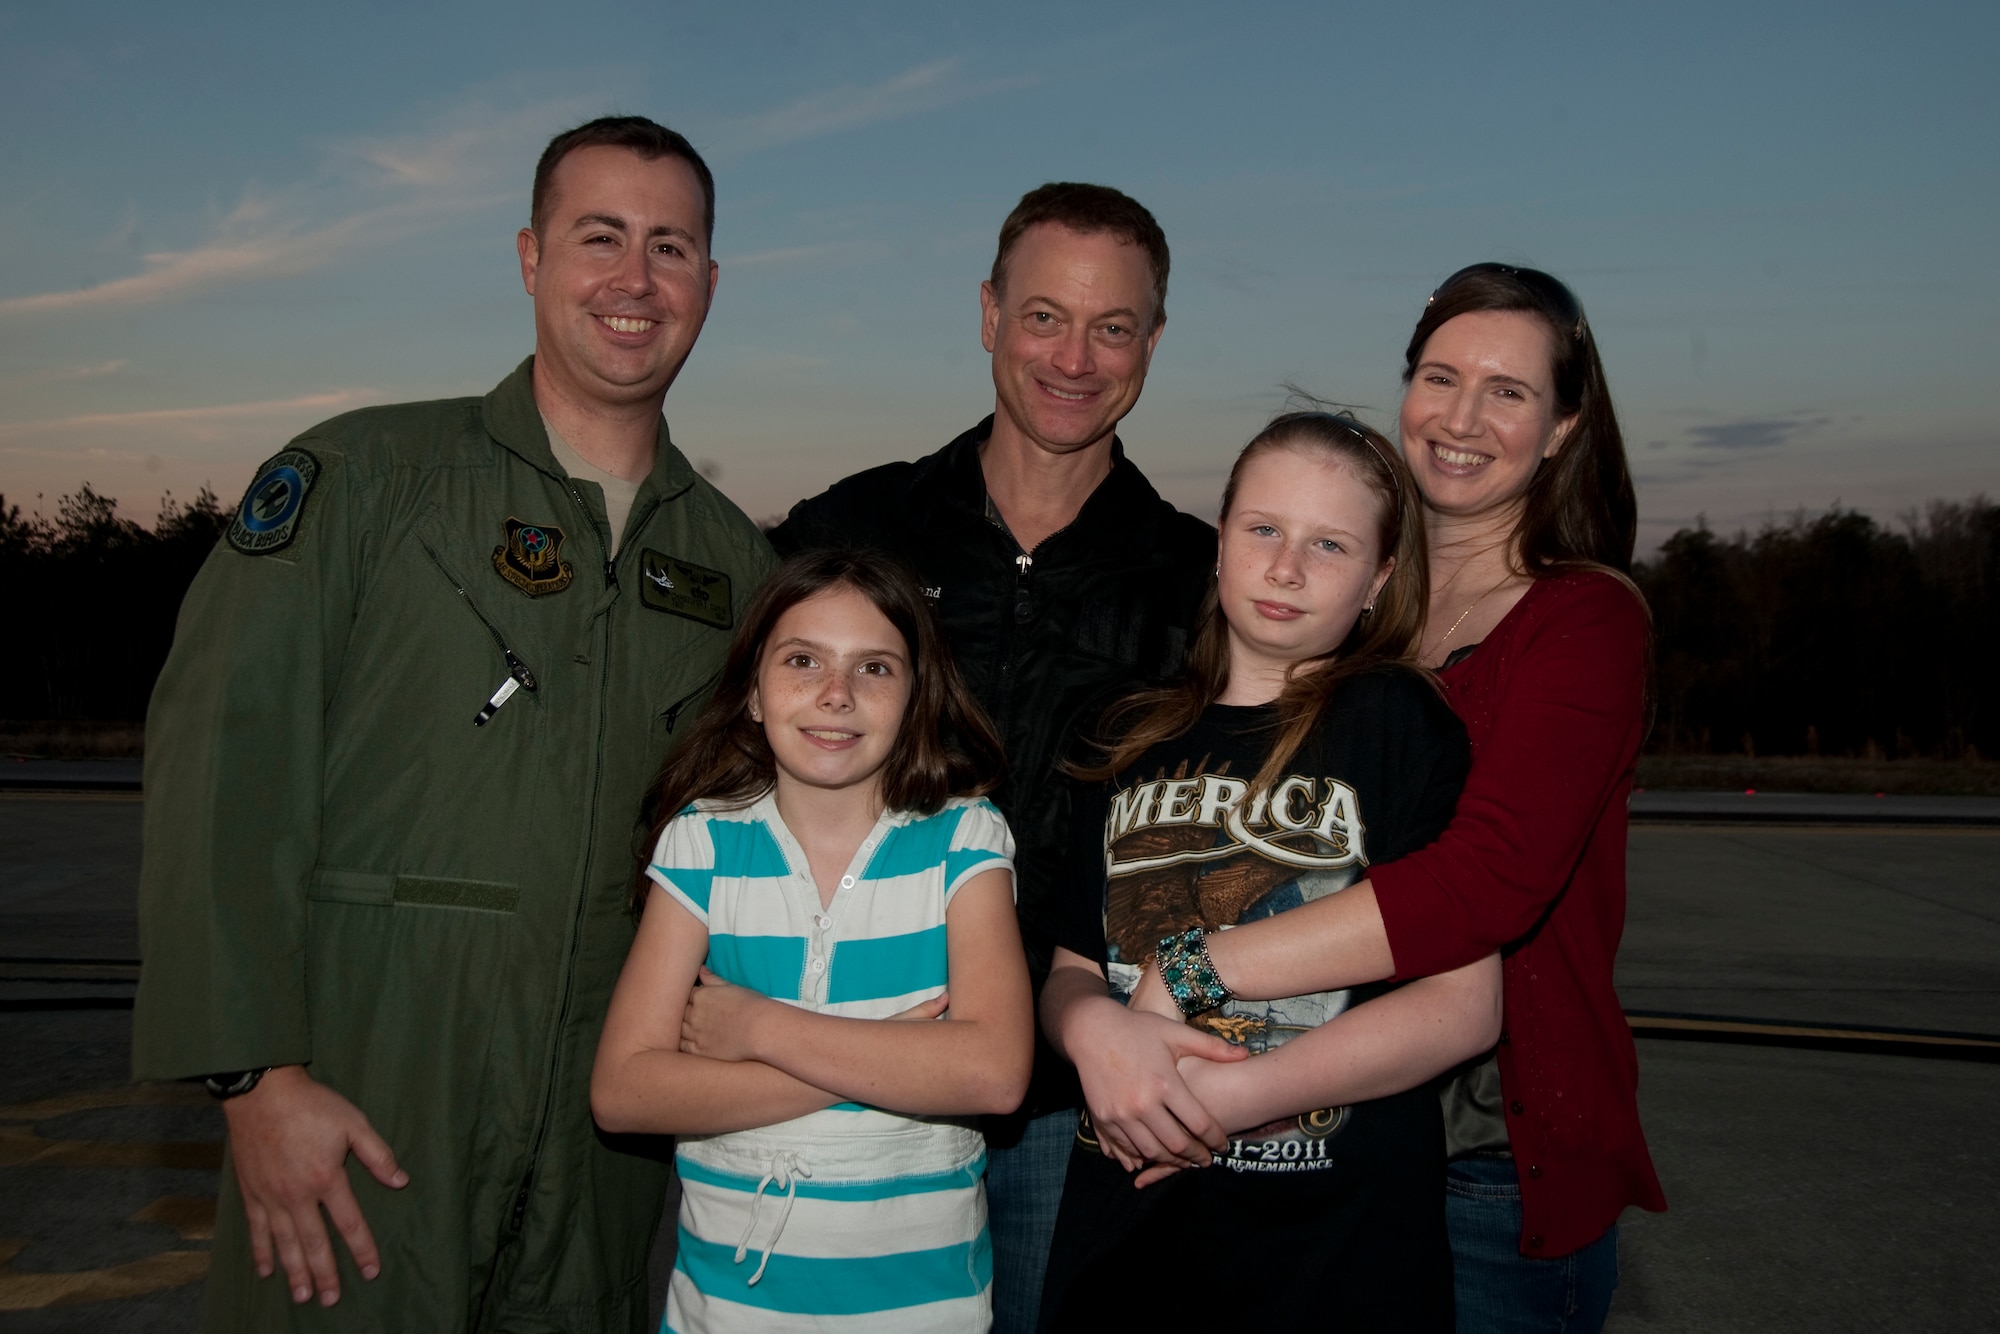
(1542, 644)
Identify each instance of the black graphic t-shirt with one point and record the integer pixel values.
(1181, 841)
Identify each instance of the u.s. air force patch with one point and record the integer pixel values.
(531, 558)
(268, 518)
(693, 591)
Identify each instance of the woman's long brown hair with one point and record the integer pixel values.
(1389, 634)
(945, 748)
(1580, 508)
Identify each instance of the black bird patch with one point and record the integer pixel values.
(268, 518)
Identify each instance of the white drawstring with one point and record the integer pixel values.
(785, 1170)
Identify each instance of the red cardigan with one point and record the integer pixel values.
(1533, 863)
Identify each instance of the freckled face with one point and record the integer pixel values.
(1480, 413)
(1300, 557)
(832, 688)
(620, 276)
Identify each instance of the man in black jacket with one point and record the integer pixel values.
(1063, 581)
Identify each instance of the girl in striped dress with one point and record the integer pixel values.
(824, 860)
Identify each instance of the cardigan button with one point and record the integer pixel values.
(1534, 1171)
(1515, 1108)
(1534, 1243)
(1503, 1037)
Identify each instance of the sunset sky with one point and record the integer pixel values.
(224, 222)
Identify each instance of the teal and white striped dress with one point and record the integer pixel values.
(851, 1217)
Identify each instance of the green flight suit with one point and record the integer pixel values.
(342, 870)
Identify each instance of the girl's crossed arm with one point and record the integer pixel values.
(1378, 1048)
(643, 1081)
(975, 1060)
(1381, 1047)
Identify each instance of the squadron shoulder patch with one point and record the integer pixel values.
(531, 558)
(268, 518)
(693, 591)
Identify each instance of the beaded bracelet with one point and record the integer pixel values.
(1189, 973)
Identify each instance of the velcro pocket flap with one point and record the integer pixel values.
(383, 889)
(332, 885)
(432, 891)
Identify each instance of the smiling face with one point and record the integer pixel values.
(620, 275)
(833, 684)
(1480, 413)
(1071, 331)
(1301, 555)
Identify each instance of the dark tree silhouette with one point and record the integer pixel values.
(1822, 634)
(91, 602)
(1830, 634)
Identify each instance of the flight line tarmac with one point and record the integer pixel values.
(1817, 1003)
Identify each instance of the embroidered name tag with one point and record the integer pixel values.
(693, 591)
(268, 518)
(531, 558)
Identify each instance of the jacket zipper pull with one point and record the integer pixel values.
(518, 671)
(611, 574)
(500, 696)
(518, 677)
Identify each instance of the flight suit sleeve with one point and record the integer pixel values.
(235, 767)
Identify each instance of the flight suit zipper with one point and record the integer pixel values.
(519, 677)
(517, 1218)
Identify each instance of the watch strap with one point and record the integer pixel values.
(234, 1084)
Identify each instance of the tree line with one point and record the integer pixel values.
(1820, 634)
(1830, 634)
(91, 599)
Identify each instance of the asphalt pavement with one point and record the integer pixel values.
(1811, 1188)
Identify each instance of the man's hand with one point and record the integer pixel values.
(1127, 1062)
(289, 1139)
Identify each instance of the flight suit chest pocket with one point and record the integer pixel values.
(493, 643)
(677, 708)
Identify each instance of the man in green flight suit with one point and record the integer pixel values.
(393, 781)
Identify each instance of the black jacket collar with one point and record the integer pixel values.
(1124, 508)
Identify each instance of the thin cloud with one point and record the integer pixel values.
(917, 90)
(366, 191)
(63, 374)
(1753, 433)
(333, 401)
(247, 252)
(470, 150)
(463, 160)
(798, 254)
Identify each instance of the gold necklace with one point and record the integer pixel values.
(1506, 579)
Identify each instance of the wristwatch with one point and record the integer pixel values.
(234, 1084)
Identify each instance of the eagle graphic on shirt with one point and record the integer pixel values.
(1196, 847)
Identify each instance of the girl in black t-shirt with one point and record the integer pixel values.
(1303, 745)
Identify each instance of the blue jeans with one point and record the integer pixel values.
(1024, 1183)
(1500, 1291)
